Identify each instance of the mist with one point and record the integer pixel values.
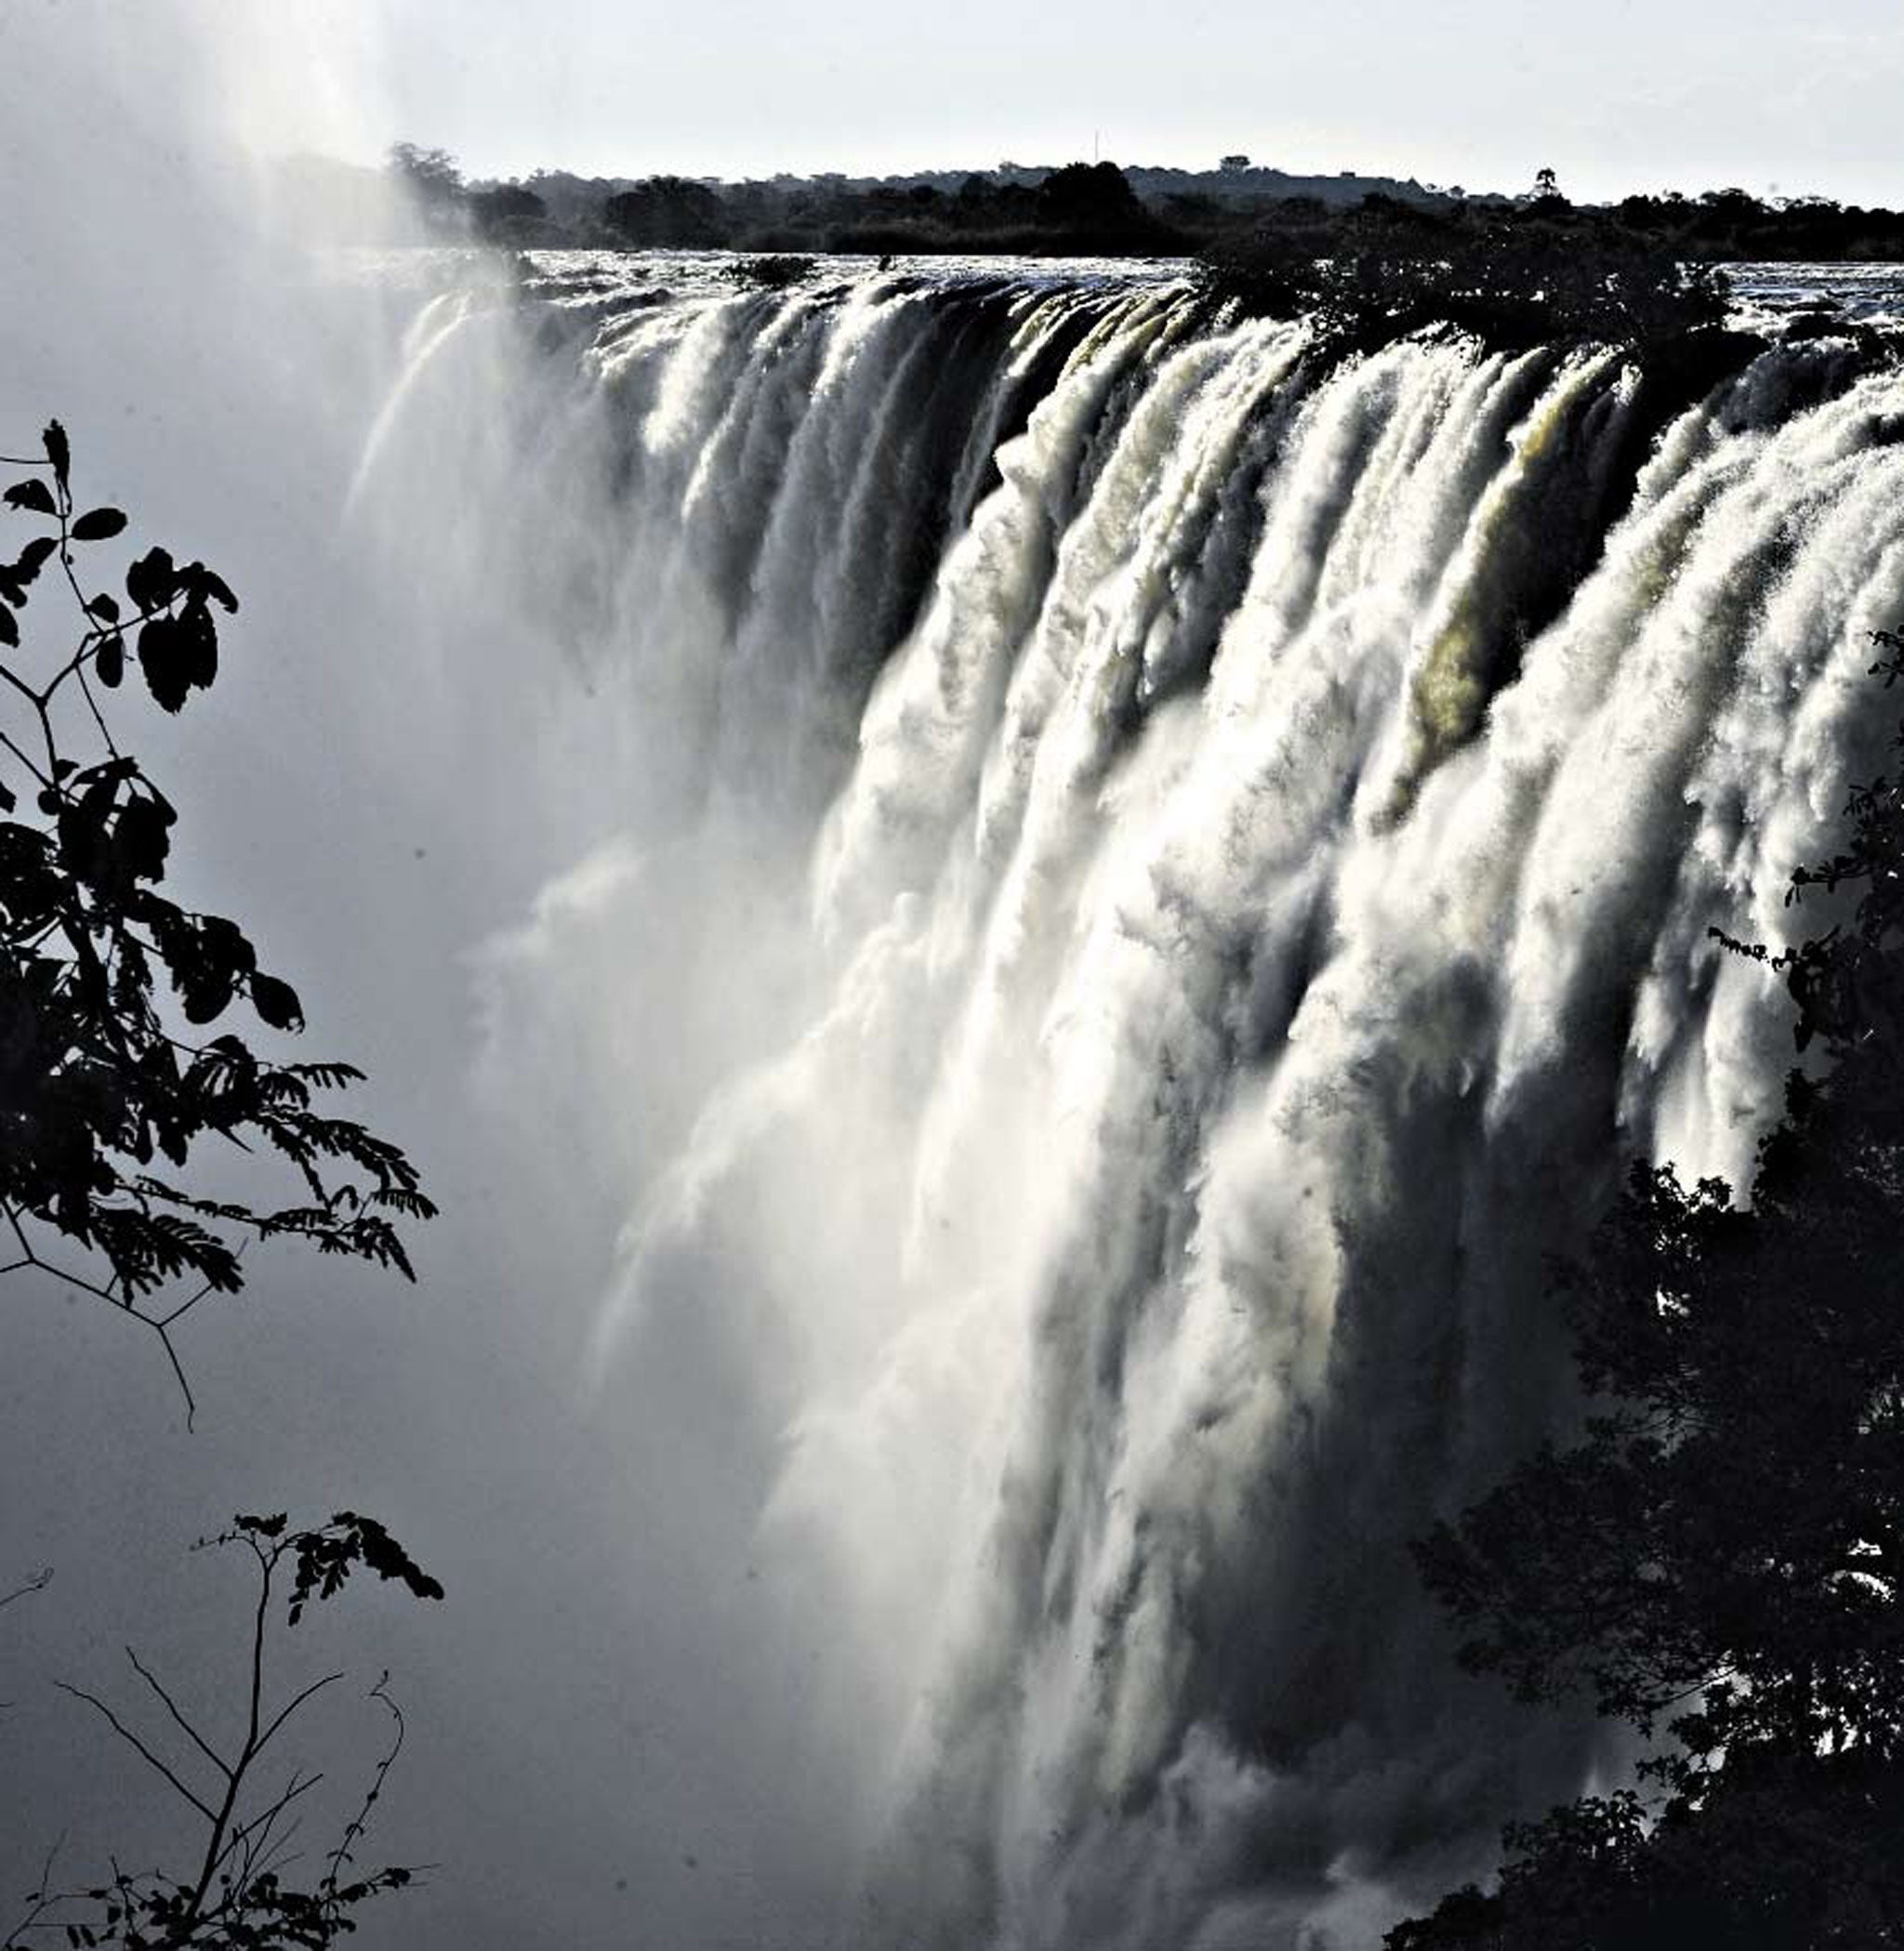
(404, 782)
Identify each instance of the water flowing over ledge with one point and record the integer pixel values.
(1241, 830)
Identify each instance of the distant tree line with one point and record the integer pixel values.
(1079, 208)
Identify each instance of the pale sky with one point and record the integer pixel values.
(1692, 93)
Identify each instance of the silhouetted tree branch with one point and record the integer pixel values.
(37, 1583)
(235, 1898)
(104, 983)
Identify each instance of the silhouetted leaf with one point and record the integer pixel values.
(224, 943)
(54, 439)
(105, 607)
(109, 663)
(152, 582)
(34, 497)
(276, 1002)
(199, 636)
(145, 837)
(9, 627)
(99, 524)
(204, 992)
(162, 658)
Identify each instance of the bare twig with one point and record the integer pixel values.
(255, 1834)
(40, 1900)
(171, 1707)
(37, 1583)
(290, 1707)
(132, 1741)
(160, 1325)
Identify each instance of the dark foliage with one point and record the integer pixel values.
(236, 1894)
(107, 1086)
(1720, 1560)
(770, 272)
(1093, 200)
(666, 210)
(1084, 207)
(1245, 220)
(431, 175)
(1515, 280)
(506, 213)
(433, 185)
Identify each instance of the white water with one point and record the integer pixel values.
(1145, 949)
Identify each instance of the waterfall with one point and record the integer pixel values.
(1175, 869)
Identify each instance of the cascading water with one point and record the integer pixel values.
(1212, 848)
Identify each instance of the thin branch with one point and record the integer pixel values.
(273, 1855)
(171, 1707)
(290, 1707)
(299, 1784)
(359, 1823)
(160, 1325)
(215, 1843)
(92, 705)
(280, 1853)
(37, 1583)
(185, 1307)
(178, 1368)
(132, 1741)
(24, 760)
(38, 1899)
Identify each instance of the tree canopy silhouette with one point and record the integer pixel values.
(433, 173)
(1719, 1561)
(1526, 277)
(666, 210)
(110, 1077)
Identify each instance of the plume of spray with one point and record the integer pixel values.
(424, 763)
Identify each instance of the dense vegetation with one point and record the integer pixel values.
(1524, 276)
(1079, 208)
(1718, 1561)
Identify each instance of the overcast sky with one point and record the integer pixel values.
(1626, 95)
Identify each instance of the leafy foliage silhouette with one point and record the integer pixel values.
(1719, 1560)
(665, 210)
(432, 175)
(102, 983)
(103, 980)
(1514, 279)
(235, 1897)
